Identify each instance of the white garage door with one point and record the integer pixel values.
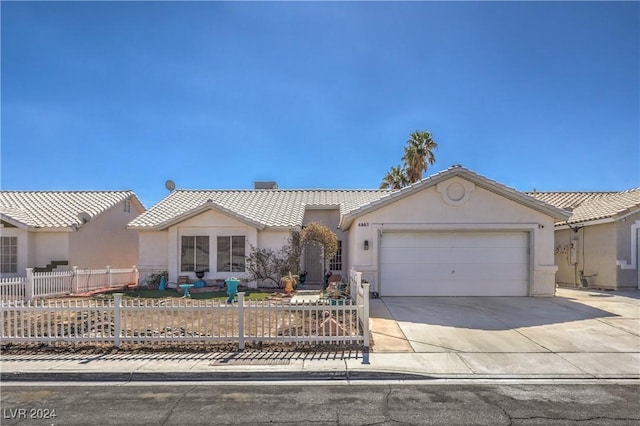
(454, 264)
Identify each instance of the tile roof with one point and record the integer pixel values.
(567, 200)
(57, 209)
(273, 208)
(591, 206)
(286, 208)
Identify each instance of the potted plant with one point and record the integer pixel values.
(232, 288)
(336, 293)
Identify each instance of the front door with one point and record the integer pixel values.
(313, 263)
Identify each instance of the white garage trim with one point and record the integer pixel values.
(455, 263)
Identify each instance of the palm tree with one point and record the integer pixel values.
(396, 178)
(418, 154)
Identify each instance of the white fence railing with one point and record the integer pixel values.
(87, 280)
(52, 284)
(12, 288)
(169, 321)
(48, 284)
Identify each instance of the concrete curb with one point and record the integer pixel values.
(221, 376)
(205, 376)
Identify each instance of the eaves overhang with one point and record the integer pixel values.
(455, 171)
(10, 220)
(30, 228)
(209, 205)
(596, 220)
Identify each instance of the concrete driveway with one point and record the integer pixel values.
(581, 326)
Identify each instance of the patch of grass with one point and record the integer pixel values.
(250, 294)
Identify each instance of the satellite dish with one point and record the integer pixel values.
(84, 217)
(170, 185)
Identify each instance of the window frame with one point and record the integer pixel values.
(336, 260)
(11, 265)
(227, 257)
(195, 262)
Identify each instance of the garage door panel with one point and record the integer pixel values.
(485, 255)
(458, 239)
(488, 255)
(469, 272)
(452, 264)
(476, 256)
(417, 255)
(415, 240)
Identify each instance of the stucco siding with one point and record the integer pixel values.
(106, 240)
(628, 249)
(50, 246)
(595, 255)
(360, 259)
(482, 210)
(566, 274)
(154, 253)
(273, 239)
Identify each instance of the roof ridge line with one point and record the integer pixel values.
(572, 192)
(283, 190)
(64, 190)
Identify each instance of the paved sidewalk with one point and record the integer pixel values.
(319, 366)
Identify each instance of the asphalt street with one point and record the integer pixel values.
(319, 403)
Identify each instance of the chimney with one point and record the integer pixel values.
(265, 185)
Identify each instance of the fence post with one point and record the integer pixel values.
(365, 313)
(355, 277)
(28, 286)
(117, 325)
(241, 320)
(74, 280)
(136, 274)
(109, 277)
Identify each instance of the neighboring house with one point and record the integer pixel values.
(599, 245)
(49, 229)
(454, 233)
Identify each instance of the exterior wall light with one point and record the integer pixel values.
(366, 244)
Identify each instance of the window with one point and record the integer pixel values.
(9, 255)
(195, 253)
(231, 253)
(335, 264)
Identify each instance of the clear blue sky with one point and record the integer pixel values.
(100, 95)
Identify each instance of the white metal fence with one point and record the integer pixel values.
(171, 321)
(12, 288)
(51, 284)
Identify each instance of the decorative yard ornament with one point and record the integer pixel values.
(288, 282)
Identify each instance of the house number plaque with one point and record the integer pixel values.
(363, 224)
